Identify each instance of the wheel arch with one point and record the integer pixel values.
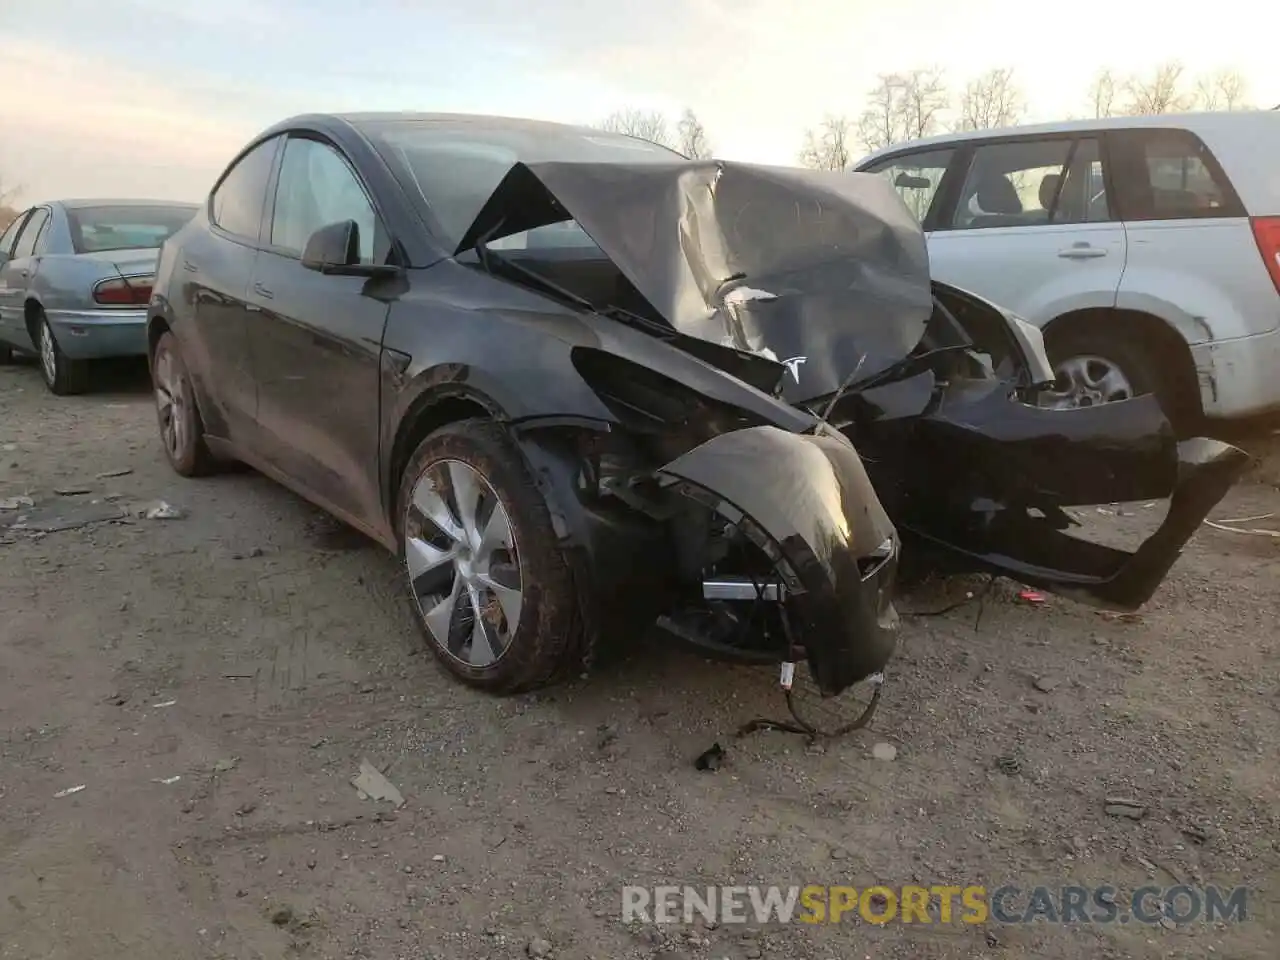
(31, 310)
(430, 411)
(1174, 366)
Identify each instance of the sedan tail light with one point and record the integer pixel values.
(124, 292)
(1266, 231)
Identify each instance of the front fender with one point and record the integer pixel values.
(811, 496)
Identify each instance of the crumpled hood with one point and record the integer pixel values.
(828, 271)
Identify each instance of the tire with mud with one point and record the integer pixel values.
(476, 537)
(181, 427)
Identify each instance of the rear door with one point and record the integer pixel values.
(215, 267)
(1193, 258)
(1030, 226)
(13, 329)
(317, 339)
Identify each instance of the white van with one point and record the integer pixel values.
(1147, 249)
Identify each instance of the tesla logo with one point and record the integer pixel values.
(794, 366)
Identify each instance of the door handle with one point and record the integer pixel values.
(262, 291)
(1082, 251)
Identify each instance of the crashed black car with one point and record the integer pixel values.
(583, 385)
(552, 458)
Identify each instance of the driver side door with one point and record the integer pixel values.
(316, 339)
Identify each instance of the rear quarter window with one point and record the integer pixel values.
(1169, 175)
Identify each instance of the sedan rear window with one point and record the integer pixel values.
(97, 229)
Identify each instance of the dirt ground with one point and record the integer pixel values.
(214, 680)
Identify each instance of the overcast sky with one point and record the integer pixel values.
(151, 97)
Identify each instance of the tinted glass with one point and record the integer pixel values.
(455, 166)
(95, 229)
(318, 188)
(1171, 175)
(238, 199)
(11, 232)
(916, 177)
(1011, 184)
(26, 245)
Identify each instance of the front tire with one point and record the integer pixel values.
(62, 375)
(181, 428)
(475, 535)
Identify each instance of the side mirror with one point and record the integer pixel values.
(914, 183)
(334, 248)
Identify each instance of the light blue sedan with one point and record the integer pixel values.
(75, 281)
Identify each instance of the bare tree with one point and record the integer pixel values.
(990, 101)
(881, 123)
(1223, 90)
(1102, 95)
(924, 101)
(646, 124)
(8, 209)
(827, 148)
(1160, 93)
(692, 137)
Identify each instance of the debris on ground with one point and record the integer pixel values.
(16, 503)
(1119, 616)
(226, 765)
(159, 510)
(109, 474)
(1034, 597)
(1122, 807)
(68, 792)
(1009, 766)
(710, 759)
(538, 947)
(372, 785)
(884, 751)
(166, 780)
(58, 517)
(1046, 684)
(72, 491)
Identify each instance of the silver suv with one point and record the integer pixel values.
(1146, 248)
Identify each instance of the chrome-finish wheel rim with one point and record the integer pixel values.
(48, 354)
(1087, 381)
(171, 404)
(463, 567)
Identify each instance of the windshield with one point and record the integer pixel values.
(97, 229)
(454, 165)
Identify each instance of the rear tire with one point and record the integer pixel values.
(62, 375)
(1094, 368)
(494, 550)
(181, 427)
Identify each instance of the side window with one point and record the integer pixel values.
(317, 187)
(26, 244)
(1011, 184)
(1170, 175)
(238, 199)
(1082, 193)
(916, 176)
(11, 232)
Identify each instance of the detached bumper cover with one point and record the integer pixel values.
(1011, 468)
(811, 495)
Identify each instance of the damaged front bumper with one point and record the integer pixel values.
(808, 570)
(808, 504)
(1012, 468)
